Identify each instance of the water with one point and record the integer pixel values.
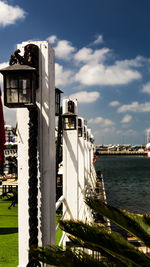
(127, 181)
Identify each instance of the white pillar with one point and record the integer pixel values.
(92, 148)
(70, 167)
(85, 156)
(46, 156)
(81, 172)
(89, 151)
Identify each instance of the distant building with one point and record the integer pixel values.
(9, 165)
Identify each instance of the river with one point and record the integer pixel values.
(127, 181)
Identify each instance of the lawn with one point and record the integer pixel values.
(8, 235)
(59, 232)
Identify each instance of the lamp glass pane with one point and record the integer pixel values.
(57, 108)
(24, 90)
(12, 95)
(24, 96)
(69, 123)
(24, 83)
(11, 82)
(79, 132)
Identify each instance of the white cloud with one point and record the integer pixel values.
(130, 132)
(135, 107)
(136, 62)
(99, 74)
(88, 55)
(126, 119)
(99, 40)
(104, 131)
(102, 121)
(64, 50)
(52, 39)
(146, 88)
(3, 65)
(94, 69)
(85, 97)
(114, 103)
(10, 14)
(63, 77)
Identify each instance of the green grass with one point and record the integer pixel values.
(8, 235)
(59, 232)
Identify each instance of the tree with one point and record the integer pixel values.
(113, 248)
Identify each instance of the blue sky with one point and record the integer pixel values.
(102, 50)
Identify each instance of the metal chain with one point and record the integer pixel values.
(33, 183)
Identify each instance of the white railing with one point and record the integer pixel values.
(66, 210)
(84, 210)
(60, 201)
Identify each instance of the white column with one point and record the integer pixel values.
(89, 152)
(23, 176)
(46, 156)
(81, 166)
(70, 168)
(92, 148)
(85, 156)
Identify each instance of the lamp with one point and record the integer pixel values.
(92, 140)
(20, 84)
(79, 127)
(69, 121)
(85, 132)
(21, 78)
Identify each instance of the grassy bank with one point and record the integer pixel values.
(8, 234)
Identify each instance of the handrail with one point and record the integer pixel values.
(59, 202)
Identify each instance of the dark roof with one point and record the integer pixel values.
(17, 67)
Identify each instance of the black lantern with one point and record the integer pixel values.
(79, 127)
(91, 139)
(71, 106)
(85, 132)
(87, 136)
(20, 84)
(69, 121)
(58, 93)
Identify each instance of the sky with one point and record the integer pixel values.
(102, 58)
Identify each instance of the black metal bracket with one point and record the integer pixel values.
(30, 58)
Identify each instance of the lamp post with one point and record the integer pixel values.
(20, 84)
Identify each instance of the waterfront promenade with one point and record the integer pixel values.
(122, 152)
